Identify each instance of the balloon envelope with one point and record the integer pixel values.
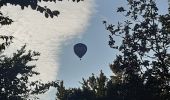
(80, 49)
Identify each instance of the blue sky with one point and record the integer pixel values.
(99, 55)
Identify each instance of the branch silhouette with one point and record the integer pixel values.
(5, 20)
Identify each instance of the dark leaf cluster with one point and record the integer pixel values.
(5, 20)
(15, 72)
(34, 4)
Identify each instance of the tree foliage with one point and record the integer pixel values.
(142, 68)
(93, 88)
(15, 72)
(34, 4)
(144, 48)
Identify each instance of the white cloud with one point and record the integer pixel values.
(47, 35)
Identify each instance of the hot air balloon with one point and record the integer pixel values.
(80, 49)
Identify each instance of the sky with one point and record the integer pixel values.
(99, 55)
(55, 38)
(47, 35)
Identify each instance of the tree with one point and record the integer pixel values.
(142, 68)
(144, 48)
(93, 88)
(16, 70)
(5, 20)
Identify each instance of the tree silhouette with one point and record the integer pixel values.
(5, 20)
(142, 68)
(93, 88)
(15, 72)
(144, 49)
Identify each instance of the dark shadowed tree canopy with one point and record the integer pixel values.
(15, 73)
